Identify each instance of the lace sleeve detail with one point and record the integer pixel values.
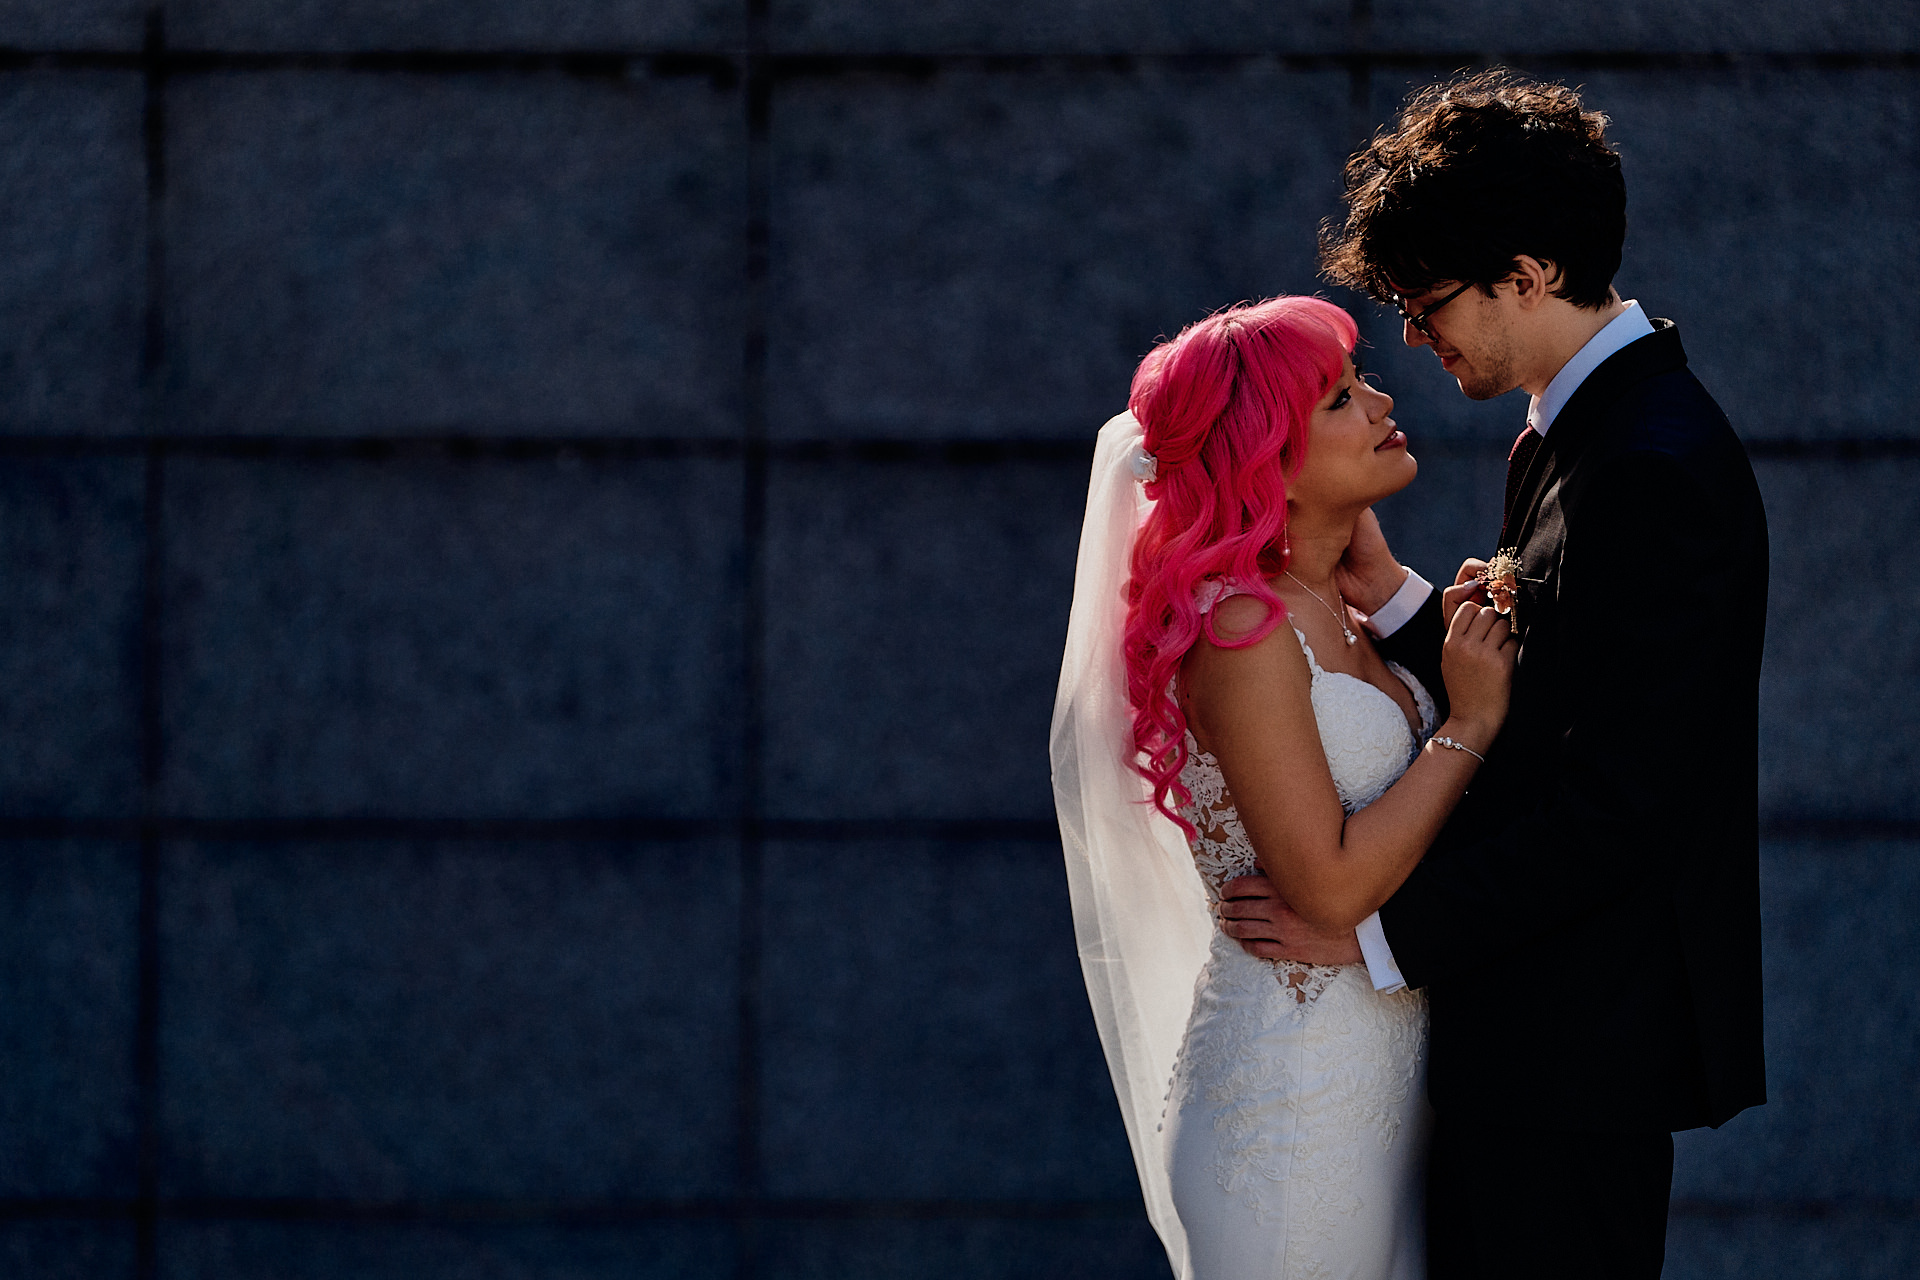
(1368, 744)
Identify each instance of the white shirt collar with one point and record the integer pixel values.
(1630, 325)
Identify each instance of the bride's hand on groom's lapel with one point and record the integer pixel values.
(1466, 587)
(1252, 913)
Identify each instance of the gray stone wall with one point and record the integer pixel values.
(534, 541)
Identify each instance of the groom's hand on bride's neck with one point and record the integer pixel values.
(1253, 914)
(1367, 573)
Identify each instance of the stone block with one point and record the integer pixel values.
(388, 1022)
(73, 237)
(925, 1030)
(915, 619)
(1101, 1248)
(1518, 28)
(451, 636)
(69, 959)
(1057, 26)
(1827, 1246)
(117, 25)
(70, 560)
(352, 25)
(1842, 963)
(980, 253)
(358, 253)
(67, 1249)
(1771, 214)
(452, 1251)
(1840, 731)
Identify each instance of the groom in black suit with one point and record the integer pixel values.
(1587, 926)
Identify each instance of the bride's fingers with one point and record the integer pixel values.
(1481, 625)
(1472, 622)
(1460, 619)
(1453, 597)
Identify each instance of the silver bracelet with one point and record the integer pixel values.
(1459, 746)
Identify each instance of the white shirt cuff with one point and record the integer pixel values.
(1393, 615)
(1379, 956)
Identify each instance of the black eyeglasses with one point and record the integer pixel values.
(1420, 322)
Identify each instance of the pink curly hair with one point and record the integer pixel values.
(1225, 407)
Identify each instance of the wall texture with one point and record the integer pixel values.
(534, 540)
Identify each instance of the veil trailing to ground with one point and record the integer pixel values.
(1140, 914)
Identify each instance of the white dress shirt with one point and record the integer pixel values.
(1630, 325)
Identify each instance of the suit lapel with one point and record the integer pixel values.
(1657, 353)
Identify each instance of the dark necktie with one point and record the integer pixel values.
(1524, 447)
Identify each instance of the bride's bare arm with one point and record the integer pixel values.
(1253, 709)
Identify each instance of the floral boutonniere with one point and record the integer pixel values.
(1501, 581)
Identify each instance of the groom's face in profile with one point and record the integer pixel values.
(1469, 332)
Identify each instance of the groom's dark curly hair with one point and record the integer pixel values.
(1478, 170)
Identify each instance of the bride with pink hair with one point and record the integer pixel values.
(1275, 1106)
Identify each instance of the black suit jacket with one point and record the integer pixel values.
(1587, 926)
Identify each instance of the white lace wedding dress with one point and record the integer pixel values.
(1296, 1121)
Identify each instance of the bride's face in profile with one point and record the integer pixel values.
(1355, 453)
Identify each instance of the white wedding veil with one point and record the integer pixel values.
(1140, 914)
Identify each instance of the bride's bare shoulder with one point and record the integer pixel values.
(1263, 687)
(1222, 648)
(1239, 616)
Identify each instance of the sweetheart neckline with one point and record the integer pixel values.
(1319, 671)
(1413, 731)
